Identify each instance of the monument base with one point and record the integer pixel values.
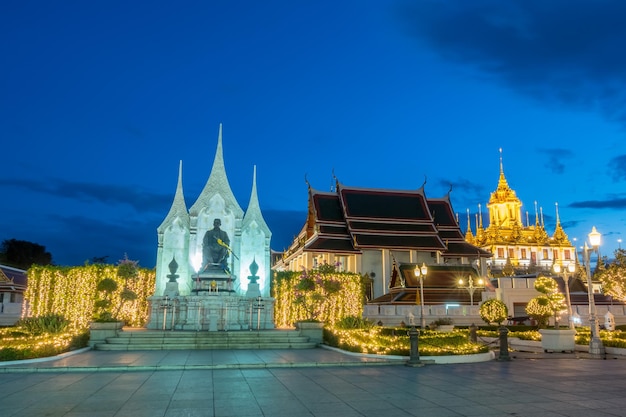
(215, 311)
(212, 281)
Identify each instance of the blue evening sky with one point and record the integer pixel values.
(99, 100)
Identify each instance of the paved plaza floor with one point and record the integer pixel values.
(313, 382)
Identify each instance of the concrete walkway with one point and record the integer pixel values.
(88, 360)
(313, 382)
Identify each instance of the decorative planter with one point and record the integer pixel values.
(98, 332)
(553, 340)
(314, 330)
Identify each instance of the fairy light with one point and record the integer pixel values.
(71, 292)
(431, 343)
(330, 307)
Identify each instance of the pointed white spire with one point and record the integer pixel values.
(254, 198)
(179, 185)
(218, 169)
(179, 207)
(254, 209)
(217, 184)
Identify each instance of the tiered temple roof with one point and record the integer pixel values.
(352, 219)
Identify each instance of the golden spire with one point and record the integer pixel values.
(469, 237)
(560, 236)
(504, 206)
(502, 180)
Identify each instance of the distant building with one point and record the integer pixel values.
(12, 287)
(518, 247)
(384, 234)
(523, 250)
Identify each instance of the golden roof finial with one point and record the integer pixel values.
(469, 237)
(559, 234)
(558, 221)
(502, 184)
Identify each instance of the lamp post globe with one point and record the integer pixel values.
(596, 348)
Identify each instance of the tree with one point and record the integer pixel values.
(538, 309)
(107, 289)
(552, 302)
(23, 254)
(613, 276)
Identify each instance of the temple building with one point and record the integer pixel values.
(12, 287)
(385, 234)
(518, 247)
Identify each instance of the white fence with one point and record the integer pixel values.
(395, 315)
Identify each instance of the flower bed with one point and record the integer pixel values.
(395, 341)
(16, 344)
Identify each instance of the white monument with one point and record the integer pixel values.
(213, 260)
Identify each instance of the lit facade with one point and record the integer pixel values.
(375, 232)
(518, 246)
(12, 288)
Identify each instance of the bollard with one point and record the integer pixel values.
(504, 344)
(414, 359)
(472, 333)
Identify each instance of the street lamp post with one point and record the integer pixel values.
(570, 268)
(420, 272)
(596, 348)
(470, 287)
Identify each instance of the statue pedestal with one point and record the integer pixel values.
(212, 282)
(253, 290)
(171, 289)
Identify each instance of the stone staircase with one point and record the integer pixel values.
(143, 339)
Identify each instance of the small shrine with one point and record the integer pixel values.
(213, 260)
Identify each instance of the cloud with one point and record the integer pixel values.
(140, 199)
(97, 238)
(72, 240)
(617, 203)
(465, 192)
(617, 168)
(559, 51)
(556, 159)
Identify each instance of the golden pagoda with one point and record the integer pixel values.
(518, 247)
